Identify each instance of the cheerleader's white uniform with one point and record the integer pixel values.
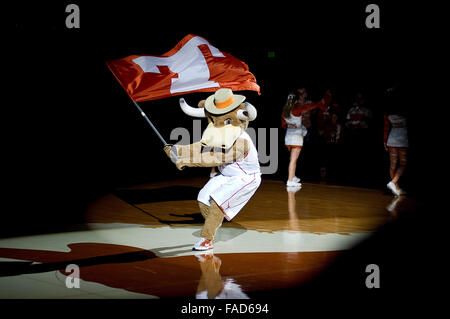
(236, 184)
(398, 135)
(294, 135)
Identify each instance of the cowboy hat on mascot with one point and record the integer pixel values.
(224, 144)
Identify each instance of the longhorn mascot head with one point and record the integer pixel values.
(228, 117)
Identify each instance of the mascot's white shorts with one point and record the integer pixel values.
(230, 193)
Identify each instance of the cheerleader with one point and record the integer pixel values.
(396, 143)
(291, 121)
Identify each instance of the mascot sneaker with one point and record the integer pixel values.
(393, 188)
(203, 256)
(203, 244)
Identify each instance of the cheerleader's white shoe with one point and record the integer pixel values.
(293, 189)
(393, 188)
(296, 179)
(293, 184)
(391, 207)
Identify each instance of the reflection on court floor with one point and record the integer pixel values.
(137, 243)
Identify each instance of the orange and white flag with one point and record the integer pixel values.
(193, 65)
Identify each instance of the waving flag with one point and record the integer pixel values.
(193, 65)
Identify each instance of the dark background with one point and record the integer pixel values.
(72, 134)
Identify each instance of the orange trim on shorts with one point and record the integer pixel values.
(254, 177)
(241, 168)
(223, 211)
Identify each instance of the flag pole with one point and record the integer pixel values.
(149, 122)
(173, 149)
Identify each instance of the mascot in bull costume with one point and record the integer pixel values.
(224, 144)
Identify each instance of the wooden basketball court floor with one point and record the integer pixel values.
(137, 243)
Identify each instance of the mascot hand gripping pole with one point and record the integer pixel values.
(224, 144)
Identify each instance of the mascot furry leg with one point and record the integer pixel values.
(213, 220)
